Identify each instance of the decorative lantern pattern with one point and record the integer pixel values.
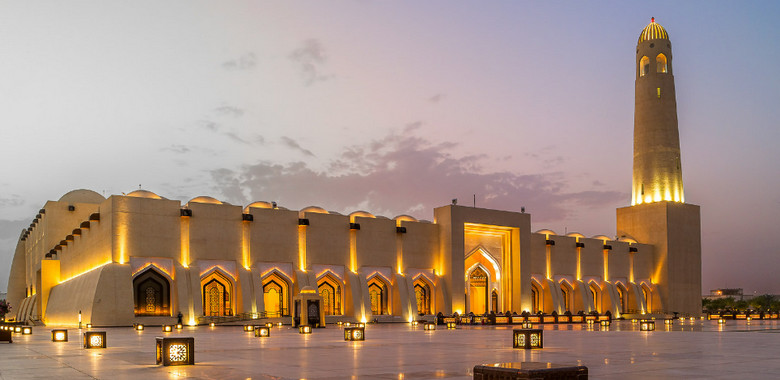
(249, 328)
(263, 331)
(429, 326)
(527, 338)
(605, 323)
(139, 327)
(95, 339)
(646, 325)
(355, 333)
(59, 335)
(167, 328)
(26, 330)
(175, 351)
(304, 329)
(452, 325)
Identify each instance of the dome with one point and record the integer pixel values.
(653, 31)
(143, 194)
(258, 204)
(82, 196)
(204, 199)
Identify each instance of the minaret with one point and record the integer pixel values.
(658, 214)
(657, 170)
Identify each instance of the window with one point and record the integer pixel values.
(330, 290)
(644, 66)
(422, 292)
(661, 65)
(377, 294)
(152, 293)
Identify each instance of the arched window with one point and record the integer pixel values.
(422, 292)
(594, 293)
(644, 66)
(660, 61)
(276, 296)
(536, 299)
(217, 295)
(151, 294)
(330, 290)
(566, 296)
(494, 301)
(622, 294)
(377, 293)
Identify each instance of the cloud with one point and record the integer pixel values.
(236, 138)
(290, 143)
(247, 61)
(437, 98)
(13, 201)
(229, 111)
(309, 60)
(176, 148)
(406, 174)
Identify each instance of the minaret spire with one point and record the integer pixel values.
(657, 168)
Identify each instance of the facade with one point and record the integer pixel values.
(143, 258)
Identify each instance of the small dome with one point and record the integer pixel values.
(653, 31)
(360, 213)
(204, 199)
(259, 204)
(82, 196)
(546, 231)
(143, 194)
(314, 209)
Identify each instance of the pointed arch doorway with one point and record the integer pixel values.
(477, 295)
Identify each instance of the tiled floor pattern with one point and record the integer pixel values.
(691, 350)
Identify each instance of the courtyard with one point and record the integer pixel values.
(689, 349)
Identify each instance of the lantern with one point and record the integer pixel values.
(347, 324)
(590, 323)
(355, 333)
(646, 325)
(167, 328)
(179, 326)
(667, 321)
(415, 323)
(339, 323)
(269, 324)
(17, 329)
(139, 327)
(527, 338)
(634, 320)
(721, 321)
(95, 339)
(528, 325)
(249, 328)
(304, 329)
(59, 335)
(263, 331)
(212, 324)
(429, 326)
(451, 325)
(605, 323)
(26, 330)
(175, 351)
(89, 325)
(278, 324)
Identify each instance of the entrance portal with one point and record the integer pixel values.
(478, 291)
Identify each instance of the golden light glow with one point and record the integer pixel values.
(353, 250)
(245, 244)
(606, 265)
(86, 271)
(147, 265)
(579, 260)
(121, 228)
(505, 234)
(302, 248)
(185, 241)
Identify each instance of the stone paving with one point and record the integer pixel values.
(690, 350)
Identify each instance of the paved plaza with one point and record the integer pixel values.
(690, 350)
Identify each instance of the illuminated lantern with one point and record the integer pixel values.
(646, 325)
(347, 324)
(355, 333)
(415, 323)
(167, 328)
(339, 323)
(263, 331)
(179, 326)
(212, 324)
(58, 335)
(605, 323)
(721, 321)
(749, 319)
(304, 329)
(590, 323)
(451, 325)
(527, 325)
(139, 327)
(175, 351)
(360, 324)
(249, 328)
(429, 326)
(26, 330)
(278, 324)
(667, 321)
(527, 338)
(89, 325)
(17, 329)
(634, 320)
(269, 325)
(95, 339)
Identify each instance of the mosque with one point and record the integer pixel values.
(142, 258)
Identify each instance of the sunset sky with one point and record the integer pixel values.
(393, 107)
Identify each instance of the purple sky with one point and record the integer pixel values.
(392, 107)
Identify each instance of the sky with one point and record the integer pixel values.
(393, 107)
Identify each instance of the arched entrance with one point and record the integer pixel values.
(595, 293)
(536, 297)
(478, 290)
(422, 292)
(377, 294)
(330, 290)
(276, 296)
(217, 295)
(566, 296)
(151, 293)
